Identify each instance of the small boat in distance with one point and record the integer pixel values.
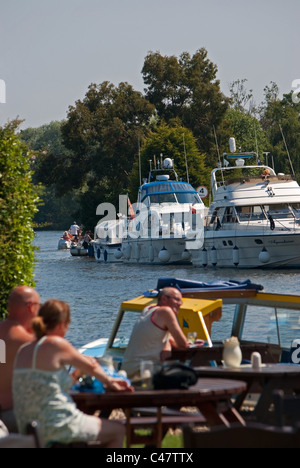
(254, 219)
(65, 241)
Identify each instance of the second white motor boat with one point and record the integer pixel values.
(168, 214)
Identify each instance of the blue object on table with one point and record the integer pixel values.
(93, 385)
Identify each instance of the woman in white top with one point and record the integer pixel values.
(41, 384)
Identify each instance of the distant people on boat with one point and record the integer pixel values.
(156, 330)
(67, 236)
(74, 230)
(86, 239)
(23, 306)
(41, 384)
(265, 174)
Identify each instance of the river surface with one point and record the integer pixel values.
(95, 291)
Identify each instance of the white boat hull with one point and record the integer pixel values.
(156, 251)
(249, 250)
(107, 253)
(63, 244)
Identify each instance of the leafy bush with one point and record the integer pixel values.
(18, 204)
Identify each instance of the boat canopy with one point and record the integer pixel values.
(164, 192)
(186, 285)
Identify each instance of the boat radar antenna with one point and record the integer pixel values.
(240, 155)
(161, 165)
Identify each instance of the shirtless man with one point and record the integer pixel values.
(23, 306)
(156, 330)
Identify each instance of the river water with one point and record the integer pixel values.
(95, 291)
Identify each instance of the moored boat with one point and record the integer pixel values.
(168, 214)
(254, 219)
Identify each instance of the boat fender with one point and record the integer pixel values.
(105, 255)
(118, 253)
(186, 255)
(213, 254)
(164, 255)
(236, 256)
(204, 257)
(264, 256)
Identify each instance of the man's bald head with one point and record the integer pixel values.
(23, 304)
(22, 295)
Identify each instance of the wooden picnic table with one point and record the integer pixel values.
(211, 396)
(267, 378)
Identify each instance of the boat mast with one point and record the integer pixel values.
(291, 164)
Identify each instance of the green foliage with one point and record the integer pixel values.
(101, 135)
(246, 130)
(18, 204)
(54, 212)
(186, 88)
(280, 119)
(172, 142)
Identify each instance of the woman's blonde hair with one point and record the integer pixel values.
(51, 314)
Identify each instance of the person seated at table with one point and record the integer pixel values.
(156, 330)
(23, 306)
(41, 384)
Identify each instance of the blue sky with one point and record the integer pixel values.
(51, 50)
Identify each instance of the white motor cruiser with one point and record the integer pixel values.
(169, 213)
(254, 219)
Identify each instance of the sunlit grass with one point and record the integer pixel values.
(171, 440)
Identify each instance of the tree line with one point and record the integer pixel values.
(93, 156)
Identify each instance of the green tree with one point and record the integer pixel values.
(175, 142)
(280, 119)
(18, 204)
(186, 88)
(101, 134)
(246, 130)
(55, 212)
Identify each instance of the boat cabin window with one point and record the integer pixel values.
(296, 209)
(281, 211)
(124, 331)
(250, 213)
(229, 215)
(187, 197)
(162, 198)
(276, 326)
